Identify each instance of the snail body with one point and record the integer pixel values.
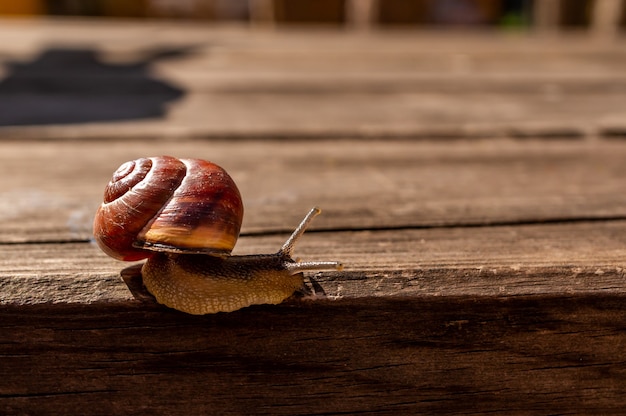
(184, 217)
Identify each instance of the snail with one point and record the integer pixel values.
(184, 217)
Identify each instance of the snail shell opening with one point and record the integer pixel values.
(168, 204)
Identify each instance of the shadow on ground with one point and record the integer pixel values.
(64, 85)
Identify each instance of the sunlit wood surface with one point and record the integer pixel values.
(471, 183)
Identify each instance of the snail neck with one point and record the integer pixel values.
(280, 261)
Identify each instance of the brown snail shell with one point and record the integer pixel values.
(168, 204)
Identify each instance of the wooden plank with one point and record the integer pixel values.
(427, 116)
(487, 319)
(261, 83)
(201, 51)
(437, 356)
(50, 190)
(575, 258)
(545, 110)
(482, 276)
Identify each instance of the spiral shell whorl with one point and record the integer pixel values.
(125, 177)
(204, 214)
(167, 204)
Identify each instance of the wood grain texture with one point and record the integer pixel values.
(50, 191)
(391, 356)
(483, 274)
(272, 83)
(579, 258)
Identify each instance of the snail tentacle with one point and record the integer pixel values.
(287, 248)
(286, 251)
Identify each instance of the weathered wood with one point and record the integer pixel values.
(482, 275)
(263, 83)
(571, 258)
(393, 356)
(50, 191)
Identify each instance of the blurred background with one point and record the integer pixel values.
(92, 61)
(598, 14)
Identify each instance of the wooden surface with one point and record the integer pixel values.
(472, 184)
